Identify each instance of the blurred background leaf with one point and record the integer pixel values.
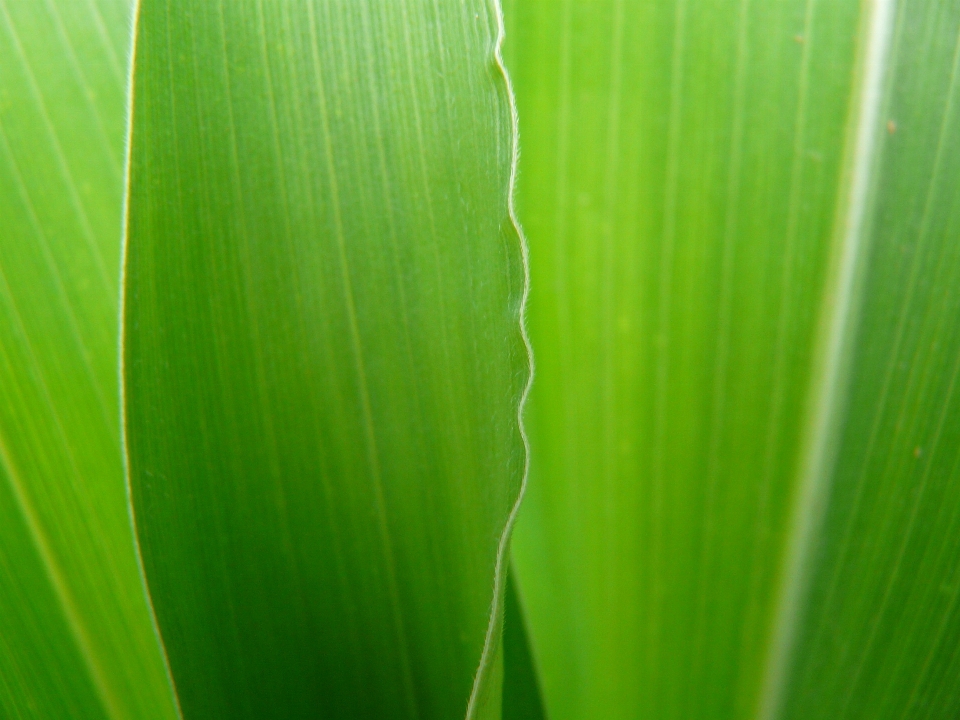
(744, 312)
(76, 639)
(322, 352)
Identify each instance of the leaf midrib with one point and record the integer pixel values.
(837, 325)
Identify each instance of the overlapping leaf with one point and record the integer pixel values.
(76, 639)
(323, 359)
(745, 495)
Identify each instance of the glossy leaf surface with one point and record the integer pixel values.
(76, 638)
(323, 360)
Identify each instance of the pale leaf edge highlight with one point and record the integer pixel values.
(491, 639)
(121, 352)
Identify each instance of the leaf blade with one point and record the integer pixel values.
(341, 421)
(682, 172)
(902, 501)
(77, 635)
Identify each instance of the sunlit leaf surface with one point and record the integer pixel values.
(323, 359)
(743, 236)
(76, 639)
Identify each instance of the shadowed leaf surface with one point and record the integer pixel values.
(521, 688)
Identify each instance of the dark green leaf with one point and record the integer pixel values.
(521, 689)
(323, 353)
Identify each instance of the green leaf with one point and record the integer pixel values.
(743, 234)
(76, 636)
(323, 357)
(521, 689)
(878, 634)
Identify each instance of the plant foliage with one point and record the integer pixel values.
(744, 288)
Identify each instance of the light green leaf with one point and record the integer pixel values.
(76, 637)
(878, 635)
(743, 237)
(323, 357)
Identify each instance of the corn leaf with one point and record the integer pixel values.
(743, 230)
(322, 353)
(76, 637)
(879, 633)
(521, 687)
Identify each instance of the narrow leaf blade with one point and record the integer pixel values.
(76, 637)
(521, 687)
